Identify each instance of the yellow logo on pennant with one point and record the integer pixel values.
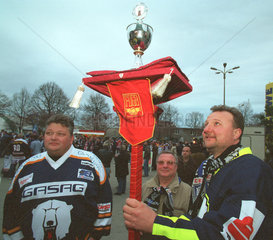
(132, 105)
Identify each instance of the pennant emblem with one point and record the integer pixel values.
(132, 105)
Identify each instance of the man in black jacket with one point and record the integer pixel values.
(232, 193)
(122, 159)
(105, 155)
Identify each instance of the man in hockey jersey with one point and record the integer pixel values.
(20, 151)
(62, 193)
(232, 194)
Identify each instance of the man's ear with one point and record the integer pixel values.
(237, 132)
(72, 139)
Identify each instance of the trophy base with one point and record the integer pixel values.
(138, 52)
(138, 59)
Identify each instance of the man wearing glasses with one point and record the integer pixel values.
(62, 193)
(165, 193)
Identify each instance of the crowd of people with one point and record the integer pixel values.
(104, 147)
(15, 148)
(214, 189)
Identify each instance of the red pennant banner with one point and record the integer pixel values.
(134, 106)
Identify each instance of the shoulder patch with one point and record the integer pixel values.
(25, 180)
(85, 174)
(94, 160)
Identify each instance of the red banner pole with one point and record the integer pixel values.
(136, 181)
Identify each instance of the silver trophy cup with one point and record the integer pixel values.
(139, 34)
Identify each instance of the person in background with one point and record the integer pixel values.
(121, 163)
(179, 147)
(173, 148)
(62, 193)
(97, 145)
(35, 145)
(155, 152)
(106, 155)
(146, 158)
(165, 193)
(4, 142)
(118, 145)
(232, 198)
(20, 151)
(186, 167)
(6, 153)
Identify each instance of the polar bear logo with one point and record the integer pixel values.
(51, 220)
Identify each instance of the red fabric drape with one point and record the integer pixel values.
(154, 71)
(134, 106)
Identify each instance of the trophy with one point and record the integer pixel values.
(139, 34)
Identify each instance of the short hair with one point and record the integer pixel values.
(238, 118)
(123, 147)
(35, 136)
(167, 152)
(63, 120)
(20, 135)
(186, 146)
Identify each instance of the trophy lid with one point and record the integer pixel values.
(140, 11)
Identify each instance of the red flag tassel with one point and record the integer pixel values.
(136, 181)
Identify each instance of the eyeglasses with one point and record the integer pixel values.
(59, 134)
(169, 163)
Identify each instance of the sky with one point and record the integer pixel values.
(61, 40)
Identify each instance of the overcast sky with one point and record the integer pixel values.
(60, 40)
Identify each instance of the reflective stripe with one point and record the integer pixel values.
(184, 218)
(174, 219)
(245, 151)
(103, 222)
(174, 233)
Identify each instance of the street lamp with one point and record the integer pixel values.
(224, 72)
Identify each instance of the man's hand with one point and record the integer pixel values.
(137, 215)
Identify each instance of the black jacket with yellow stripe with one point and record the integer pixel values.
(237, 205)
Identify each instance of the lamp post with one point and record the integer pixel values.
(224, 72)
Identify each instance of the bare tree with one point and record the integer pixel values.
(20, 108)
(47, 100)
(4, 104)
(256, 119)
(96, 112)
(194, 120)
(170, 114)
(246, 109)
